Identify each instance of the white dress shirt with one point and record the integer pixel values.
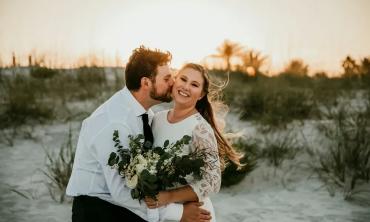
(91, 174)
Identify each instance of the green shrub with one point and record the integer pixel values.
(276, 106)
(64, 87)
(254, 104)
(91, 76)
(237, 83)
(294, 80)
(279, 147)
(59, 168)
(43, 72)
(119, 80)
(91, 82)
(22, 102)
(345, 163)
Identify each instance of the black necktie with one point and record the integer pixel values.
(148, 135)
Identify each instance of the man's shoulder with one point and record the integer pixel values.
(111, 113)
(99, 126)
(102, 120)
(114, 109)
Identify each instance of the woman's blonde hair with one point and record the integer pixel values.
(206, 106)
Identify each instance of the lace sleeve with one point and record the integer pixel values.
(204, 140)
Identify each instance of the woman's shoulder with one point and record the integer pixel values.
(204, 132)
(202, 124)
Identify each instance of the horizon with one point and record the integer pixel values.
(321, 33)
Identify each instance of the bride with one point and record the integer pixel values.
(192, 114)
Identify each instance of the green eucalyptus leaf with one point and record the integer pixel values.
(186, 139)
(135, 194)
(113, 159)
(140, 137)
(182, 181)
(166, 143)
(158, 150)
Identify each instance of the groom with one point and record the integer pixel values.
(100, 194)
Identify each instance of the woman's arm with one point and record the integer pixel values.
(182, 194)
(204, 141)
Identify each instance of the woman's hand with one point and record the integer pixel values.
(163, 198)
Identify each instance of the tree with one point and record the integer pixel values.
(252, 61)
(227, 51)
(320, 75)
(351, 68)
(365, 70)
(365, 66)
(296, 67)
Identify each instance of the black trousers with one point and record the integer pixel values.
(93, 209)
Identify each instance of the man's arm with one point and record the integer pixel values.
(190, 211)
(103, 144)
(193, 212)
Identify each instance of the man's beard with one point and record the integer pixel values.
(165, 97)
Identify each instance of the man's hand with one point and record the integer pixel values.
(193, 213)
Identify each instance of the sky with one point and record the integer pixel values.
(321, 32)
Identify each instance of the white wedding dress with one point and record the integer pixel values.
(203, 138)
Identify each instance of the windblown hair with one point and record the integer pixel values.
(143, 63)
(205, 106)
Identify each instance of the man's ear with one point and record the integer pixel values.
(145, 82)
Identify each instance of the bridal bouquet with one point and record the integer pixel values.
(148, 171)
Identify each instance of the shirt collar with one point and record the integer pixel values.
(135, 106)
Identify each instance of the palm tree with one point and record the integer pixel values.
(227, 51)
(253, 61)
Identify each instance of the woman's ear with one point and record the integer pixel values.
(202, 95)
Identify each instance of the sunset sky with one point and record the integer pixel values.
(321, 32)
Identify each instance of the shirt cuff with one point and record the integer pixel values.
(172, 212)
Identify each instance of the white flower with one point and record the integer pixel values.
(132, 182)
(156, 156)
(153, 170)
(139, 168)
(141, 159)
